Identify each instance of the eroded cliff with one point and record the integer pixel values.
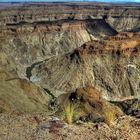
(29, 44)
(75, 46)
(111, 66)
(120, 17)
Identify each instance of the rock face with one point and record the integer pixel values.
(73, 46)
(28, 44)
(120, 17)
(124, 23)
(111, 66)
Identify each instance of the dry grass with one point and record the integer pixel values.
(126, 125)
(70, 113)
(88, 106)
(109, 117)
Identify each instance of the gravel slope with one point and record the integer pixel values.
(43, 127)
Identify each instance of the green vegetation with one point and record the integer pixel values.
(29, 69)
(29, 72)
(50, 93)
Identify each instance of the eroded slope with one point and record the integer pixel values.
(112, 66)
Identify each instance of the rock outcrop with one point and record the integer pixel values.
(86, 104)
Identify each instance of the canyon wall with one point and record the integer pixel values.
(75, 46)
(29, 44)
(111, 66)
(120, 17)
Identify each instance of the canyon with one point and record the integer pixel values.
(56, 54)
(49, 51)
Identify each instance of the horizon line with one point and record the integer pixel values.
(56, 1)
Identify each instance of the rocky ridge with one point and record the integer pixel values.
(118, 16)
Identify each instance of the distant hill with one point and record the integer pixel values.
(108, 1)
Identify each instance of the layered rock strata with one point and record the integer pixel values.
(73, 46)
(111, 66)
(120, 17)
